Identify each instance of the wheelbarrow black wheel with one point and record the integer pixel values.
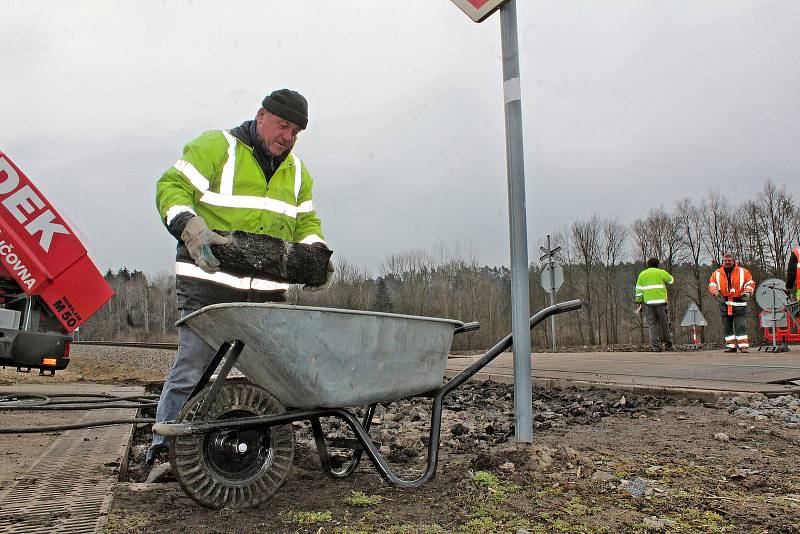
(237, 468)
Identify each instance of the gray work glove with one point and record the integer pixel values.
(198, 239)
(329, 268)
(746, 297)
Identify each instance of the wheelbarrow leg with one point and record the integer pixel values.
(212, 366)
(322, 448)
(233, 355)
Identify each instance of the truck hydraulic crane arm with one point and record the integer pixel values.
(50, 286)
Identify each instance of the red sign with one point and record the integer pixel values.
(478, 10)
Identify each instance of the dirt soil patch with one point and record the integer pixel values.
(600, 462)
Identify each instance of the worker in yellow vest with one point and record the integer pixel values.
(247, 178)
(651, 291)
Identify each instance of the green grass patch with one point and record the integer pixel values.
(570, 517)
(692, 521)
(306, 518)
(414, 529)
(122, 524)
(359, 498)
(497, 489)
(488, 519)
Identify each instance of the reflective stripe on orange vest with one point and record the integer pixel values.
(741, 282)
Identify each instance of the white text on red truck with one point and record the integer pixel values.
(23, 202)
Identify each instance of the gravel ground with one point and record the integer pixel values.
(601, 461)
(783, 410)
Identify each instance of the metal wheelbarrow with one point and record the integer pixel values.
(232, 444)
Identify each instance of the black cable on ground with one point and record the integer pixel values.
(76, 426)
(12, 401)
(77, 407)
(17, 401)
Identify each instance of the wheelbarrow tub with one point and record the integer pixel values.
(310, 357)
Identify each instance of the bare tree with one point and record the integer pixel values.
(692, 228)
(716, 212)
(748, 236)
(613, 246)
(659, 235)
(778, 217)
(586, 247)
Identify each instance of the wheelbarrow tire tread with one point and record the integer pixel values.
(195, 458)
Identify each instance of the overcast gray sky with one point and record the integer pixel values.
(627, 105)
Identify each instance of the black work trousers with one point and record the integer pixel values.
(658, 324)
(734, 328)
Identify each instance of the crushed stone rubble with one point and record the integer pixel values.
(478, 418)
(480, 415)
(784, 410)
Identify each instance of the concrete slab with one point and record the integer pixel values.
(756, 372)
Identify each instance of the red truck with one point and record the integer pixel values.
(48, 284)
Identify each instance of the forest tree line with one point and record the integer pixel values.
(601, 257)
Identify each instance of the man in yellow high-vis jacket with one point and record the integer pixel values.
(247, 178)
(651, 291)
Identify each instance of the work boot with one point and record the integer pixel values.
(156, 452)
(161, 472)
(730, 349)
(743, 349)
(657, 349)
(669, 348)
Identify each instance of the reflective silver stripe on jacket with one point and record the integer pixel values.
(298, 176)
(225, 198)
(244, 282)
(226, 178)
(715, 283)
(176, 210)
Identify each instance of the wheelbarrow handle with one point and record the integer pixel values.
(503, 344)
(467, 327)
(569, 305)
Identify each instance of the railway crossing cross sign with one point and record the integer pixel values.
(552, 278)
(478, 10)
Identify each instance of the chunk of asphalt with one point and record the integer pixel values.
(264, 256)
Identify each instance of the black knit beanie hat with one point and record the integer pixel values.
(289, 105)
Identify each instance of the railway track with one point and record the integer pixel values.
(135, 344)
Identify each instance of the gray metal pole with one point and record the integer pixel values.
(552, 292)
(520, 310)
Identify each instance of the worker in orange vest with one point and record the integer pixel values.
(732, 285)
(793, 274)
